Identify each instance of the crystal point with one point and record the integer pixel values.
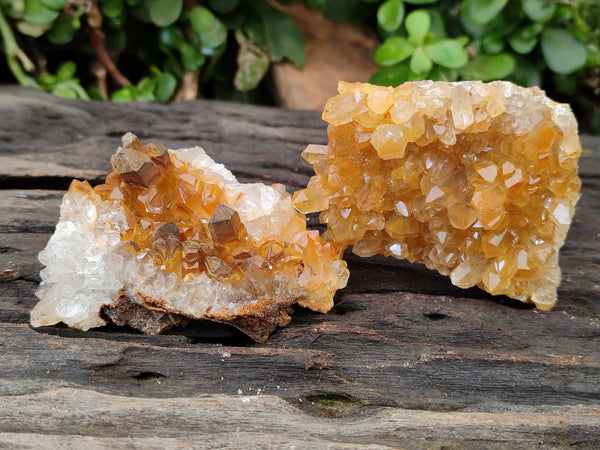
(476, 180)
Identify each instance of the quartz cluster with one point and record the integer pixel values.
(477, 181)
(172, 235)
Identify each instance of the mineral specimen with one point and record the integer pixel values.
(477, 181)
(172, 235)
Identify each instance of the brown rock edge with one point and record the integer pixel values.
(152, 316)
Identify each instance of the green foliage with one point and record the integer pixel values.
(422, 49)
(63, 83)
(164, 12)
(562, 51)
(224, 48)
(390, 15)
(481, 12)
(551, 43)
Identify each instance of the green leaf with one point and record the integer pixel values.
(437, 27)
(492, 43)
(394, 50)
(165, 87)
(70, 89)
(55, 5)
(563, 14)
(95, 93)
(481, 12)
(487, 68)
(37, 14)
(32, 30)
(440, 73)
(343, 11)
(145, 89)
(172, 37)
(191, 58)
(391, 76)
(112, 8)
(126, 94)
(66, 71)
(81, 92)
(417, 25)
(253, 63)
(390, 15)
(420, 64)
(525, 39)
(210, 31)
(223, 6)
(253, 28)
(539, 10)
(448, 53)
(146, 84)
(420, 2)
(65, 91)
(165, 12)
(284, 39)
(562, 52)
(250, 74)
(63, 29)
(47, 80)
(462, 40)
(416, 76)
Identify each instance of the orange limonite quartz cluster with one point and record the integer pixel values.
(477, 181)
(172, 235)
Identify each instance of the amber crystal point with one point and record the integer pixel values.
(172, 236)
(475, 180)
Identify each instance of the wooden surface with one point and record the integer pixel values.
(405, 359)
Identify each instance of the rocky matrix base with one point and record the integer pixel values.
(171, 236)
(477, 181)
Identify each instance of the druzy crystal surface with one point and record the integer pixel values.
(172, 235)
(477, 181)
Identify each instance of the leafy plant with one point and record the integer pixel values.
(425, 51)
(551, 43)
(148, 49)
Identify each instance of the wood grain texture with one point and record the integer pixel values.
(404, 359)
(270, 422)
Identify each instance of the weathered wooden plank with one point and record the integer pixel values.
(396, 349)
(78, 138)
(192, 439)
(399, 336)
(267, 421)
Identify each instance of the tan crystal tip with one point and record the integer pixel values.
(477, 181)
(172, 236)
